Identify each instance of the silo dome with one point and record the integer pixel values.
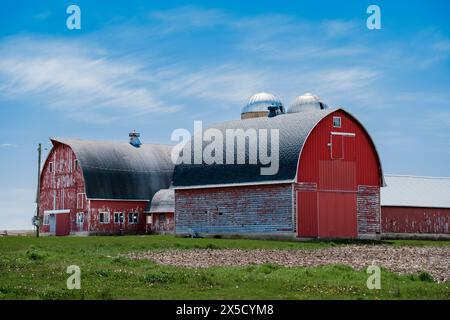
(258, 105)
(306, 102)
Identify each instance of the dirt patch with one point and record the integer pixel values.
(404, 260)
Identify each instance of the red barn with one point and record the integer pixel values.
(327, 186)
(101, 187)
(415, 207)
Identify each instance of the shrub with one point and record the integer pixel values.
(425, 276)
(33, 254)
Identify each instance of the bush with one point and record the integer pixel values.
(425, 276)
(33, 254)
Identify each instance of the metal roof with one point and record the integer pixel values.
(261, 101)
(411, 191)
(163, 201)
(117, 170)
(306, 102)
(293, 132)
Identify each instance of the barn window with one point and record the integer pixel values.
(133, 217)
(50, 167)
(150, 219)
(80, 200)
(104, 217)
(76, 164)
(45, 219)
(336, 122)
(118, 217)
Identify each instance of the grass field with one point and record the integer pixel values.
(36, 269)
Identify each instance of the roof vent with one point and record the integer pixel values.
(134, 139)
(273, 110)
(258, 105)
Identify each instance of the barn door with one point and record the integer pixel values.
(337, 215)
(62, 224)
(52, 223)
(337, 147)
(307, 213)
(342, 146)
(337, 208)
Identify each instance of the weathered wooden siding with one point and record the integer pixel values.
(368, 200)
(59, 188)
(415, 220)
(110, 207)
(62, 188)
(162, 223)
(235, 210)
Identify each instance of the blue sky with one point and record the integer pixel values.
(157, 66)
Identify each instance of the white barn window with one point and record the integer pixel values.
(104, 216)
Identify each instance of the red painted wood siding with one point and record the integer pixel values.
(415, 220)
(111, 206)
(59, 188)
(342, 173)
(162, 222)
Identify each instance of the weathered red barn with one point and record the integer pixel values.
(101, 187)
(327, 186)
(415, 207)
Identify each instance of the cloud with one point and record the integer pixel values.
(72, 78)
(128, 71)
(184, 18)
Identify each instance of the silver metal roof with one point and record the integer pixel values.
(293, 129)
(163, 201)
(117, 170)
(261, 101)
(306, 102)
(411, 191)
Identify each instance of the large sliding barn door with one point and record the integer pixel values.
(337, 215)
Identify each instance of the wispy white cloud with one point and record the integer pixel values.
(184, 18)
(66, 76)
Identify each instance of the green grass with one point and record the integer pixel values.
(36, 269)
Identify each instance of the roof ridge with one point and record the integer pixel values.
(63, 140)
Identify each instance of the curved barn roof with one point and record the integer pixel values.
(293, 132)
(163, 201)
(117, 170)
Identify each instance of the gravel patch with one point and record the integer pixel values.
(403, 260)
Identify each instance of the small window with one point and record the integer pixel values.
(80, 200)
(80, 217)
(336, 122)
(133, 218)
(104, 217)
(76, 164)
(50, 167)
(150, 219)
(45, 219)
(118, 217)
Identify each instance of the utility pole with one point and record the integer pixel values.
(38, 193)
